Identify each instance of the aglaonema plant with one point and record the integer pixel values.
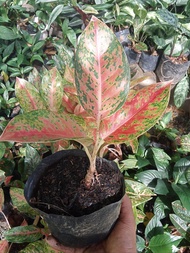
(92, 103)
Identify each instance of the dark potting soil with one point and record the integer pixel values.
(62, 191)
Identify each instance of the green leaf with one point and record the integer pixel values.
(181, 92)
(2, 177)
(160, 42)
(165, 120)
(8, 33)
(164, 243)
(181, 211)
(23, 234)
(37, 57)
(65, 26)
(129, 163)
(144, 143)
(64, 58)
(161, 159)
(75, 22)
(72, 36)
(181, 226)
(27, 69)
(2, 149)
(140, 244)
(7, 165)
(162, 187)
(45, 1)
(32, 159)
(161, 210)
(142, 162)
(90, 9)
(54, 14)
(13, 69)
(8, 51)
(103, 6)
(38, 45)
(183, 193)
(20, 59)
(140, 12)
(153, 228)
(102, 71)
(179, 171)
(15, 74)
(167, 17)
(185, 143)
(146, 177)
(137, 192)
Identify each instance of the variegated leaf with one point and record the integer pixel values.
(59, 145)
(69, 75)
(52, 89)
(1, 199)
(69, 99)
(28, 96)
(23, 234)
(39, 246)
(141, 111)
(4, 246)
(2, 177)
(102, 71)
(19, 201)
(43, 125)
(35, 78)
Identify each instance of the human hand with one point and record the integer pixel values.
(122, 239)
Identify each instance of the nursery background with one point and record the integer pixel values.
(155, 36)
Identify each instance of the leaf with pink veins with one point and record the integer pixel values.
(28, 96)
(52, 89)
(102, 72)
(140, 112)
(43, 126)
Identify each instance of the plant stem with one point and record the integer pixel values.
(92, 173)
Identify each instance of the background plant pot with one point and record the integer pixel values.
(123, 36)
(148, 62)
(168, 70)
(132, 55)
(70, 230)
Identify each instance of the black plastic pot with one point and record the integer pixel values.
(69, 230)
(168, 70)
(148, 62)
(132, 55)
(123, 37)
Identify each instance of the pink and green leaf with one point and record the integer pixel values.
(34, 78)
(141, 111)
(4, 246)
(43, 126)
(52, 89)
(28, 96)
(102, 71)
(23, 234)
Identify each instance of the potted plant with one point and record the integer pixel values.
(93, 105)
(172, 39)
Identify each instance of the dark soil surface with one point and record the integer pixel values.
(180, 121)
(62, 189)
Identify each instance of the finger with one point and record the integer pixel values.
(126, 213)
(59, 247)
